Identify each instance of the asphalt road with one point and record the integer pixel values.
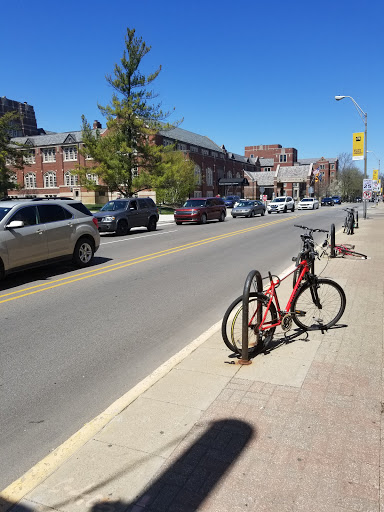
(73, 341)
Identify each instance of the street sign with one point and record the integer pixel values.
(265, 197)
(367, 185)
(261, 190)
(375, 174)
(367, 194)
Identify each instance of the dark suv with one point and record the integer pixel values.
(120, 215)
(201, 209)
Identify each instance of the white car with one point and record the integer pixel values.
(308, 203)
(281, 204)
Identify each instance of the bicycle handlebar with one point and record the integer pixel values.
(312, 229)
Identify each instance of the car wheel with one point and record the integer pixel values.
(285, 209)
(152, 224)
(2, 273)
(269, 212)
(178, 223)
(262, 213)
(252, 214)
(83, 252)
(222, 217)
(122, 228)
(203, 219)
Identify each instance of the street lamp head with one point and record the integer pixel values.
(338, 98)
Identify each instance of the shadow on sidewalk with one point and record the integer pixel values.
(6, 505)
(187, 481)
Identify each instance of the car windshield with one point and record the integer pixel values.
(112, 206)
(245, 203)
(230, 198)
(278, 200)
(194, 203)
(306, 200)
(3, 212)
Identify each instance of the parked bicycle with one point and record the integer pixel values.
(308, 245)
(343, 250)
(315, 303)
(349, 222)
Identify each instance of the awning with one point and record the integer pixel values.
(234, 181)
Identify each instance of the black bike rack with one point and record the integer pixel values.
(254, 274)
(333, 255)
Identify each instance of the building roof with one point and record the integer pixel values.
(266, 162)
(315, 160)
(191, 138)
(263, 178)
(293, 173)
(52, 139)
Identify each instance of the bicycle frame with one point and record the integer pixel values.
(271, 292)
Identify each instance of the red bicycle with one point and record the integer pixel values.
(315, 304)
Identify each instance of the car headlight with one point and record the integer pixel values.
(109, 218)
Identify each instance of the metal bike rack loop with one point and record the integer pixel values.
(247, 288)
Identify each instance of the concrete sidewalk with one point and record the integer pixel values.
(298, 430)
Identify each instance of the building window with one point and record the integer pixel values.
(238, 175)
(198, 175)
(30, 180)
(49, 155)
(209, 174)
(213, 153)
(322, 166)
(332, 166)
(229, 174)
(252, 155)
(194, 149)
(283, 158)
(70, 180)
(93, 177)
(267, 169)
(205, 152)
(197, 193)
(135, 172)
(70, 153)
(181, 147)
(167, 142)
(29, 157)
(50, 179)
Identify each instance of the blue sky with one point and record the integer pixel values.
(241, 72)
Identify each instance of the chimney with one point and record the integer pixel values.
(96, 125)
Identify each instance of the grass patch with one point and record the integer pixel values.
(165, 210)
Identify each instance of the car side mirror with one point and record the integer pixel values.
(15, 224)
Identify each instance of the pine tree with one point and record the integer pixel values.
(11, 157)
(132, 121)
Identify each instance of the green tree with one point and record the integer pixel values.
(175, 179)
(350, 178)
(11, 157)
(133, 119)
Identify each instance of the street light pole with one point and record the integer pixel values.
(363, 116)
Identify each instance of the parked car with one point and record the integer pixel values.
(308, 203)
(336, 199)
(281, 204)
(327, 201)
(248, 208)
(120, 215)
(38, 232)
(231, 200)
(358, 199)
(201, 209)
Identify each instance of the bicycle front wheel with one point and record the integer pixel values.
(307, 315)
(232, 325)
(347, 253)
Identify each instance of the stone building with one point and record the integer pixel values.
(28, 125)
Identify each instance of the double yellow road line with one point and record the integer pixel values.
(7, 297)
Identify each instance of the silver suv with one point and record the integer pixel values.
(120, 215)
(38, 232)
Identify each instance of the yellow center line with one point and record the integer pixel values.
(123, 264)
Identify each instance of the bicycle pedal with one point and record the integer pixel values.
(299, 312)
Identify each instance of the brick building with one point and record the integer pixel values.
(28, 125)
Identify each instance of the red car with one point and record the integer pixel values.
(201, 209)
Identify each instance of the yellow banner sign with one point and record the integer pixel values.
(375, 174)
(358, 146)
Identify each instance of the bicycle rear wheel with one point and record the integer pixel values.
(232, 327)
(307, 315)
